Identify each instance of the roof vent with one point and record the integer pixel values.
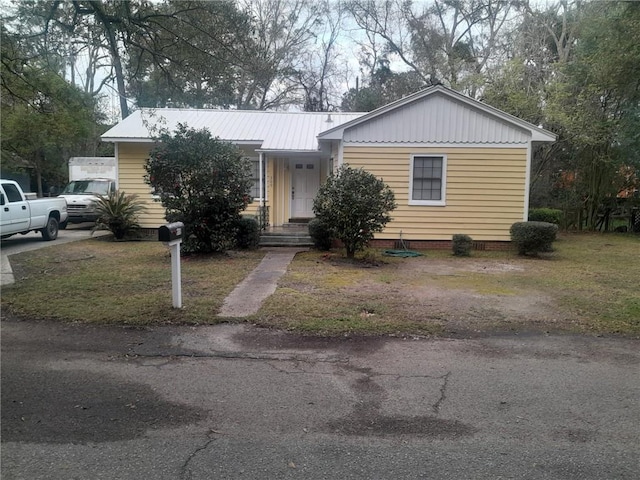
(329, 119)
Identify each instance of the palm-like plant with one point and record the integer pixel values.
(118, 213)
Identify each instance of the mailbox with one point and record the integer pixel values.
(171, 232)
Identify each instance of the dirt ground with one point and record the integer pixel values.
(467, 296)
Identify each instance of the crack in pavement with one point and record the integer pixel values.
(287, 357)
(443, 393)
(185, 472)
(300, 370)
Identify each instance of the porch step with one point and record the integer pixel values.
(285, 241)
(286, 237)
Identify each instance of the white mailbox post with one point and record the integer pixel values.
(171, 234)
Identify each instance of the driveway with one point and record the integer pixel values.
(236, 402)
(33, 241)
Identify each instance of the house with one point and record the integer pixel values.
(456, 165)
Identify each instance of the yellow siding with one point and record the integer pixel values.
(485, 191)
(131, 160)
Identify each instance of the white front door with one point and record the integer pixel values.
(305, 183)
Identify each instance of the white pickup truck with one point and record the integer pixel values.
(19, 215)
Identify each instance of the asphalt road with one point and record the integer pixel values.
(235, 402)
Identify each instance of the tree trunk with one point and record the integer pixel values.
(115, 56)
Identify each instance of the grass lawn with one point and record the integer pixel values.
(100, 281)
(591, 283)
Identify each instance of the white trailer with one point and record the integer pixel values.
(87, 168)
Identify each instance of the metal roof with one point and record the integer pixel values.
(278, 131)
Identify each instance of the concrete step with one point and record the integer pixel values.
(275, 243)
(270, 240)
(289, 235)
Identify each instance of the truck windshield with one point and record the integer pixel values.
(80, 187)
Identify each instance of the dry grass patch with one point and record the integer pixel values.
(589, 284)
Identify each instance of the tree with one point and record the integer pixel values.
(318, 73)
(203, 182)
(384, 87)
(575, 70)
(282, 34)
(181, 63)
(446, 41)
(354, 204)
(596, 98)
(45, 120)
(141, 46)
(542, 42)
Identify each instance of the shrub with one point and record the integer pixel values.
(549, 215)
(462, 245)
(248, 236)
(204, 183)
(320, 234)
(533, 237)
(354, 204)
(118, 213)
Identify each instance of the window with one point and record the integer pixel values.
(255, 178)
(13, 195)
(428, 180)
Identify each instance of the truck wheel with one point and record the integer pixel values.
(50, 231)
(63, 225)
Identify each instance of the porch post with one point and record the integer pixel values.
(261, 212)
(261, 178)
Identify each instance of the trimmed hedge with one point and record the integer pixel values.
(320, 234)
(248, 236)
(462, 245)
(533, 237)
(550, 215)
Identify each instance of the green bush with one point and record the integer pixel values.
(549, 215)
(118, 213)
(320, 234)
(248, 233)
(533, 237)
(203, 182)
(354, 204)
(462, 245)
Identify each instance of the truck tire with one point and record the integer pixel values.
(50, 231)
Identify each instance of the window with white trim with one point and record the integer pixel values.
(255, 178)
(428, 180)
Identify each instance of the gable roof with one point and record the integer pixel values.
(277, 131)
(446, 115)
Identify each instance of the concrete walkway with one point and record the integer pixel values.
(248, 296)
(7, 273)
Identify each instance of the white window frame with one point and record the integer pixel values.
(443, 185)
(259, 179)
